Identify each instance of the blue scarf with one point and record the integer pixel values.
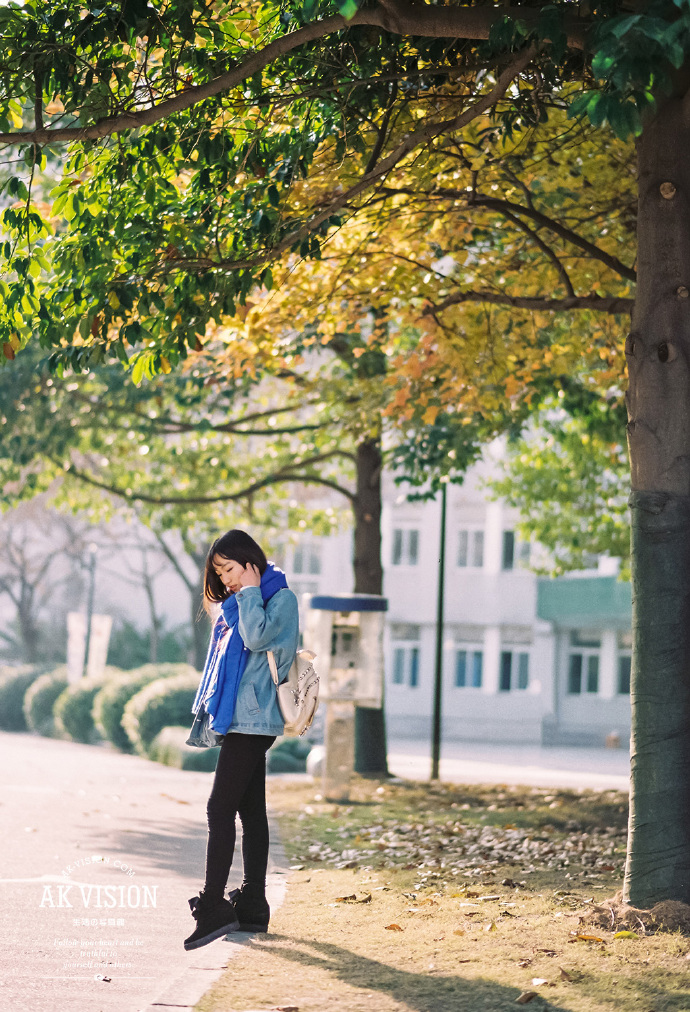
(227, 657)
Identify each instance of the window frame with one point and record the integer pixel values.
(474, 535)
(403, 541)
(472, 651)
(589, 672)
(518, 653)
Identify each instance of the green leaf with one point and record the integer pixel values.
(348, 8)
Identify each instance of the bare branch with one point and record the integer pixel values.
(283, 476)
(601, 304)
(545, 248)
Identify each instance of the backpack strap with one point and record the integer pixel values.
(272, 665)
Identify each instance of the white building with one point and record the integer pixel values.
(525, 659)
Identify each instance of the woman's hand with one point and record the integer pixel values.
(250, 577)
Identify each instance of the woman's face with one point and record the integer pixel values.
(229, 572)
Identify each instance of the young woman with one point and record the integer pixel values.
(237, 703)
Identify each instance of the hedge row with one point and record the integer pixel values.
(147, 711)
(93, 710)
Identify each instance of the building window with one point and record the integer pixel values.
(469, 663)
(306, 558)
(405, 546)
(515, 552)
(406, 655)
(514, 673)
(470, 549)
(624, 663)
(583, 663)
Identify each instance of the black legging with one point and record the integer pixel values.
(239, 786)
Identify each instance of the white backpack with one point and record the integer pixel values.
(298, 695)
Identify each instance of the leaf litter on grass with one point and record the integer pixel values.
(402, 845)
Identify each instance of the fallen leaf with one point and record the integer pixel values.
(525, 997)
(285, 1008)
(524, 962)
(458, 931)
(393, 927)
(485, 899)
(352, 898)
(547, 952)
(491, 926)
(587, 938)
(626, 934)
(564, 974)
(607, 867)
(538, 981)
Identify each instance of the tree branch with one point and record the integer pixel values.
(422, 135)
(496, 204)
(545, 248)
(613, 262)
(601, 304)
(284, 476)
(395, 16)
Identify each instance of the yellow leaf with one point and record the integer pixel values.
(626, 934)
(113, 300)
(430, 415)
(165, 365)
(393, 927)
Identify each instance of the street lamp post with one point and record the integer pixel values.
(438, 674)
(93, 550)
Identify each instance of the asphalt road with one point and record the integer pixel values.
(82, 826)
(473, 763)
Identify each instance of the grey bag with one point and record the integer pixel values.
(201, 735)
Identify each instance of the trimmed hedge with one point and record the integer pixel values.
(109, 704)
(73, 709)
(288, 755)
(169, 747)
(40, 698)
(163, 703)
(13, 685)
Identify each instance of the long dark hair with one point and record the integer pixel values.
(237, 546)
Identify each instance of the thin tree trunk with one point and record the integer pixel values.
(658, 350)
(28, 627)
(370, 725)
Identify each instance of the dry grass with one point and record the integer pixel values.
(452, 950)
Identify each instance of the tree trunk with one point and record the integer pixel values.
(26, 617)
(200, 624)
(370, 725)
(658, 351)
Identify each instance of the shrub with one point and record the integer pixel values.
(169, 747)
(73, 709)
(130, 647)
(13, 685)
(288, 755)
(109, 704)
(40, 698)
(163, 703)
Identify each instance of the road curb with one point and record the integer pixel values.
(189, 988)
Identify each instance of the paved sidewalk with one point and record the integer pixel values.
(473, 763)
(82, 824)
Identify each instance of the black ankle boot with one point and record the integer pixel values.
(214, 918)
(251, 907)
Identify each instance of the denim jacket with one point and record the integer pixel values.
(273, 626)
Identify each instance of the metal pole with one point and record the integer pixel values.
(93, 548)
(438, 674)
